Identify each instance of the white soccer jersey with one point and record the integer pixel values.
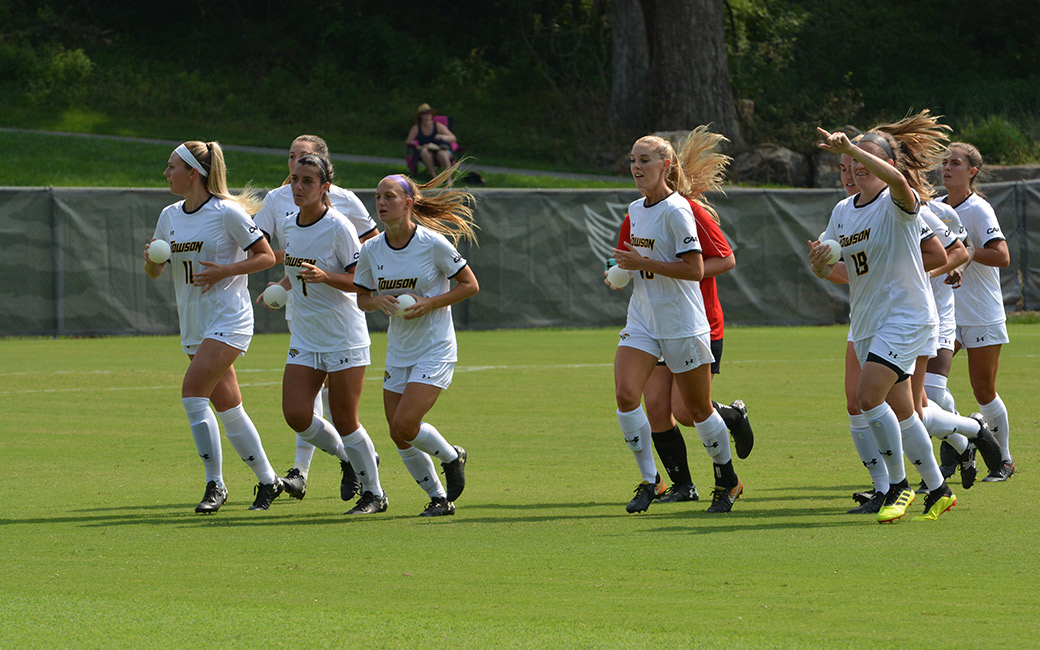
(666, 308)
(979, 298)
(881, 245)
(325, 319)
(279, 205)
(219, 231)
(941, 292)
(424, 267)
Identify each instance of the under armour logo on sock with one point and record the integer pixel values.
(887, 452)
(868, 463)
(204, 456)
(250, 459)
(918, 462)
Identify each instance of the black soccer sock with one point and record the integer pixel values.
(725, 475)
(671, 448)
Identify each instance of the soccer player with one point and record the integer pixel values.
(414, 256)
(279, 208)
(215, 244)
(329, 336)
(892, 311)
(666, 316)
(981, 321)
(661, 397)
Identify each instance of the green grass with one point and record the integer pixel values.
(40, 160)
(101, 547)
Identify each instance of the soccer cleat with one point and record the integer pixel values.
(987, 444)
(265, 494)
(937, 502)
(1007, 468)
(948, 460)
(349, 485)
(659, 487)
(897, 501)
(869, 507)
(923, 487)
(679, 492)
(864, 496)
(369, 504)
(295, 484)
(743, 436)
(214, 497)
(969, 471)
(438, 507)
(722, 498)
(455, 474)
(645, 495)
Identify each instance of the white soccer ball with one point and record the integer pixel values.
(404, 301)
(835, 249)
(159, 251)
(275, 296)
(618, 277)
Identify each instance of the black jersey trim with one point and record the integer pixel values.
(410, 238)
(459, 271)
(201, 205)
(650, 205)
(316, 221)
(255, 241)
(348, 268)
(364, 287)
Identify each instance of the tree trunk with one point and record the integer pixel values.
(631, 60)
(687, 71)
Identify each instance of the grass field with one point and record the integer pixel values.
(101, 547)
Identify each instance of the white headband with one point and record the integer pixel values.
(186, 156)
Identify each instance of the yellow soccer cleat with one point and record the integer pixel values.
(897, 501)
(937, 502)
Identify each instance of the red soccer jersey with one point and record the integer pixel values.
(713, 244)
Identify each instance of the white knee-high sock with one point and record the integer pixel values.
(937, 391)
(206, 432)
(884, 426)
(715, 437)
(246, 440)
(304, 449)
(996, 416)
(868, 452)
(430, 440)
(636, 429)
(954, 429)
(918, 448)
(324, 436)
(362, 455)
(420, 466)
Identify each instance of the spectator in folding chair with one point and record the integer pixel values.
(430, 141)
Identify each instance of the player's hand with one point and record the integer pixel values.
(211, 274)
(819, 257)
(836, 142)
(312, 274)
(628, 258)
(953, 278)
(420, 308)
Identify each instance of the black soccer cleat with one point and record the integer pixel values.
(295, 484)
(455, 474)
(1003, 473)
(966, 462)
(722, 498)
(743, 436)
(923, 487)
(869, 507)
(679, 492)
(369, 504)
(948, 460)
(438, 507)
(863, 497)
(214, 497)
(987, 445)
(349, 485)
(265, 494)
(645, 495)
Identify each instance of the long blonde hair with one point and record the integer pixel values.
(446, 210)
(211, 157)
(918, 144)
(697, 168)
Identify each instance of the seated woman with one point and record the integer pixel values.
(431, 141)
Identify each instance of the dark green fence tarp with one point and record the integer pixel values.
(72, 262)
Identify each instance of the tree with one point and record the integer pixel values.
(670, 66)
